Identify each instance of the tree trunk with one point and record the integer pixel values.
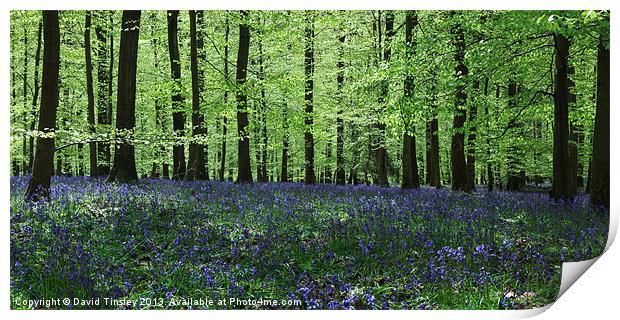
(104, 80)
(59, 169)
(327, 173)
(64, 166)
(516, 174)
(196, 167)
(410, 179)
(563, 185)
(92, 146)
(202, 57)
(490, 181)
(222, 159)
(178, 112)
(80, 148)
(599, 187)
(160, 125)
(124, 167)
(244, 170)
(14, 163)
(224, 118)
(588, 182)
(262, 115)
(574, 132)
(108, 154)
(433, 172)
(379, 145)
(257, 134)
(309, 177)
(25, 167)
(471, 139)
(284, 164)
(579, 139)
(340, 174)
(457, 157)
(353, 167)
(165, 170)
(573, 149)
(35, 96)
(39, 185)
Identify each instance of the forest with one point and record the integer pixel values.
(322, 159)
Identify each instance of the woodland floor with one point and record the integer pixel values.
(330, 247)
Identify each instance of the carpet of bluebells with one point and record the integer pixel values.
(329, 247)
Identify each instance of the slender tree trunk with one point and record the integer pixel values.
(379, 146)
(327, 173)
(599, 187)
(471, 140)
(165, 170)
(14, 163)
(178, 112)
(353, 167)
(340, 174)
(108, 154)
(196, 167)
(80, 146)
(579, 139)
(563, 184)
(244, 170)
(160, 124)
(272, 164)
(310, 177)
(59, 168)
(39, 185)
(202, 57)
(25, 167)
(516, 173)
(124, 167)
(64, 166)
(104, 81)
(457, 157)
(222, 153)
(427, 135)
(257, 134)
(35, 97)
(588, 183)
(284, 163)
(92, 146)
(574, 130)
(433, 170)
(262, 137)
(573, 148)
(589, 178)
(224, 118)
(490, 181)
(411, 179)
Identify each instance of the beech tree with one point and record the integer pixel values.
(196, 167)
(104, 86)
(178, 113)
(457, 148)
(244, 170)
(563, 183)
(92, 145)
(124, 167)
(39, 185)
(599, 186)
(340, 165)
(410, 179)
(309, 176)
